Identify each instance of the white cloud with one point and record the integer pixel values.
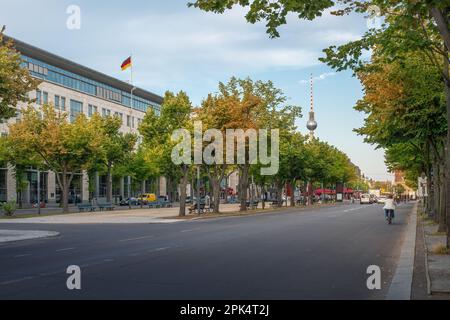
(323, 76)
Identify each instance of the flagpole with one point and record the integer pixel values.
(132, 89)
(131, 129)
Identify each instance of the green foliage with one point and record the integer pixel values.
(272, 12)
(15, 81)
(9, 208)
(56, 144)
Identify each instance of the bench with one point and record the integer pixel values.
(86, 207)
(154, 204)
(166, 204)
(254, 205)
(106, 206)
(194, 209)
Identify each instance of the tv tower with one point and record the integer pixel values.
(312, 123)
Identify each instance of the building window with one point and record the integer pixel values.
(132, 122)
(128, 121)
(38, 97)
(45, 95)
(91, 110)
(63, 104)
(56, 102)
(76, 107)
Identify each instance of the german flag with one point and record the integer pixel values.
(126, 64)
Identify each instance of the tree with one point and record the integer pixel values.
(117, 147)
(274, 12)
(405, 107)
(15, 81)
(63, 147)
(157, 131)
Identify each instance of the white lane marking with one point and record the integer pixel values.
(22, 255)
(65, 249)
(190, 230)
(136, 254)
(15, 281)
(135, 239)
(159, 249)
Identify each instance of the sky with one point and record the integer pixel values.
(179, 48)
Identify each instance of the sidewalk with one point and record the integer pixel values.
(401, 285)
(438, 266)
(118, 216)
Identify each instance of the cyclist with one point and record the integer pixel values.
(389, 207)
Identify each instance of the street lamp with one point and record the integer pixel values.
(39, 191)
(198, 190)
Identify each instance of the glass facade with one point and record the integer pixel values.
(57, 104)
(71, 80)
(63, 104)
(76, 107)
(38, 97)
(45, 97)
(3, 174)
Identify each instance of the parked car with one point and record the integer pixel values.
(382, 200)
(146, 198)
(366, 199)
(129, 201)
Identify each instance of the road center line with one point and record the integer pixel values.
(159, 249)
(15, 281)
(22, 255)
(65, 249)
(134, 239)
(189, 230)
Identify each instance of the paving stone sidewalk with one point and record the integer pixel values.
(438, 265)
(136, 216)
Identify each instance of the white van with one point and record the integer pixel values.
(366, 199)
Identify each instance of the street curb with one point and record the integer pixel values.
(427, 268)
(401, 285)
(26, 235)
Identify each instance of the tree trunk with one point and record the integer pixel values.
(442, 24)
(109, 183)
(263, 196)
(437, 193)
(243, 186)
(292, 187)
(216, 194)
(65, 193)
(447, 144)
(442, 202)
(183, 186)
(280, 186)
(431, 190)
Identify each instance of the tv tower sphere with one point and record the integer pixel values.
(312, 123)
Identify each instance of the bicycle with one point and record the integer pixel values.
(390, 215)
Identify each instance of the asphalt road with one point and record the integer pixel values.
(311, 254)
